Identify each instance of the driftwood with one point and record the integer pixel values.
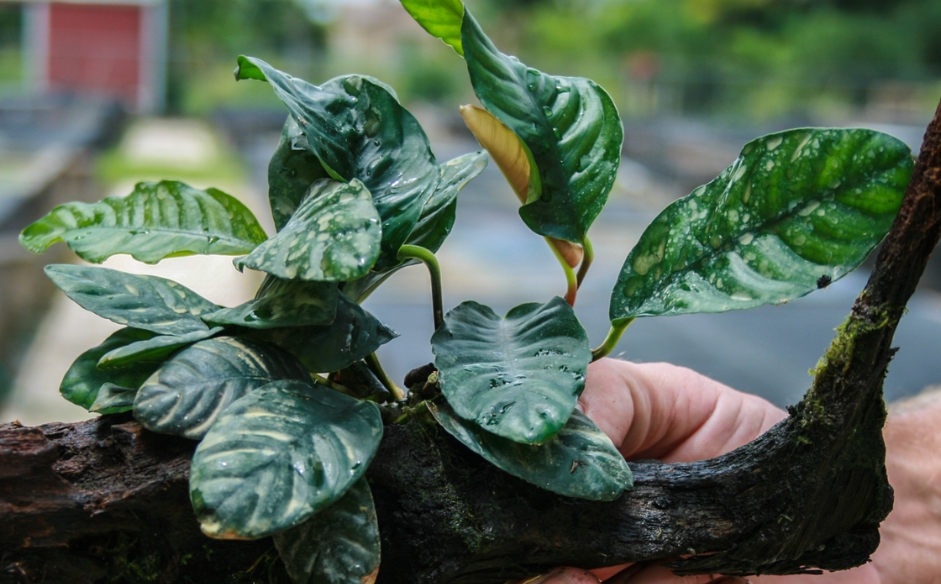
(104, 498)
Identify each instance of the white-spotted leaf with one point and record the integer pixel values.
(519, 376)
(581, 461)
(186, 395)
(291, 171)
(154, 350)
(352, 335)
(795, 208)
(277, 456)
(157, 220)
(357, 129)
(145, 302)
(339, 545)
(333, 236)
(570, 129)
(283, 303)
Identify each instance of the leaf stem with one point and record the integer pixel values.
(372, 361)
(431, 262)
(570, 279)
(586, 260)
(332, 385)
(611, 341)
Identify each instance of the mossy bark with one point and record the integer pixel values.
(106, 500)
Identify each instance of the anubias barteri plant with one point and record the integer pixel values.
(284, 393)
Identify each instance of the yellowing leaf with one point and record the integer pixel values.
(504, 147)
(511, 158)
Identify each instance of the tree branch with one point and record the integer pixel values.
(808, 494)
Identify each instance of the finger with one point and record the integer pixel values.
(662, 575)
(564, 576)
(671, 413)
(605, 573)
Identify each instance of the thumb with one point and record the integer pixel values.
(564, 576)
(658, 410)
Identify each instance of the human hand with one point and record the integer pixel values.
(670, 413)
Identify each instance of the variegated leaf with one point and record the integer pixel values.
(145, 302)
(283, 303)
(157, 220)
(581, 461)
(339, 545)
(187, 394)
(278, 455)
(333, 236)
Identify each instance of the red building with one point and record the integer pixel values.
(108, 48)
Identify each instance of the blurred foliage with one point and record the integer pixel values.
(11, 57)
(206, 36)
(758, 58)
(763, 57)
(11, 25)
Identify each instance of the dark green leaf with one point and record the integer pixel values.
(518, 377)
(333, 236)
(441, 18)
(83, 381)
(293, 168)
(154, 350)
(157, 220)
(358, 129)
(144, 302)
(188, 393)
(580, 461)
(360, 288)
(438, 214)
(353, 334)
(278, 455)
(794, 207)
(569, 126)
(283, 303)
(434, 224)
(113, 399)
(339, 545)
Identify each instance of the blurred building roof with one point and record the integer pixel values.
(113, 49)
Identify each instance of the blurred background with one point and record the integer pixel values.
(95, 95)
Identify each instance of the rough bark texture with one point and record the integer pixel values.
(104, 498)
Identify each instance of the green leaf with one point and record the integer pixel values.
(187, 394)
(569, 126)
(113, 399)
(438, 214)
(155, 349)
(333, 236)
(291, 171)
(581, 461)
(441, 18)
(339, 545)
(157, 220)
(353, 335)
(359, 289)
(145, 302)
(518, 377)
(277, 456)
(795, 206)
(358, 129)
(433, 226)
(83, 381)
(284, 303)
